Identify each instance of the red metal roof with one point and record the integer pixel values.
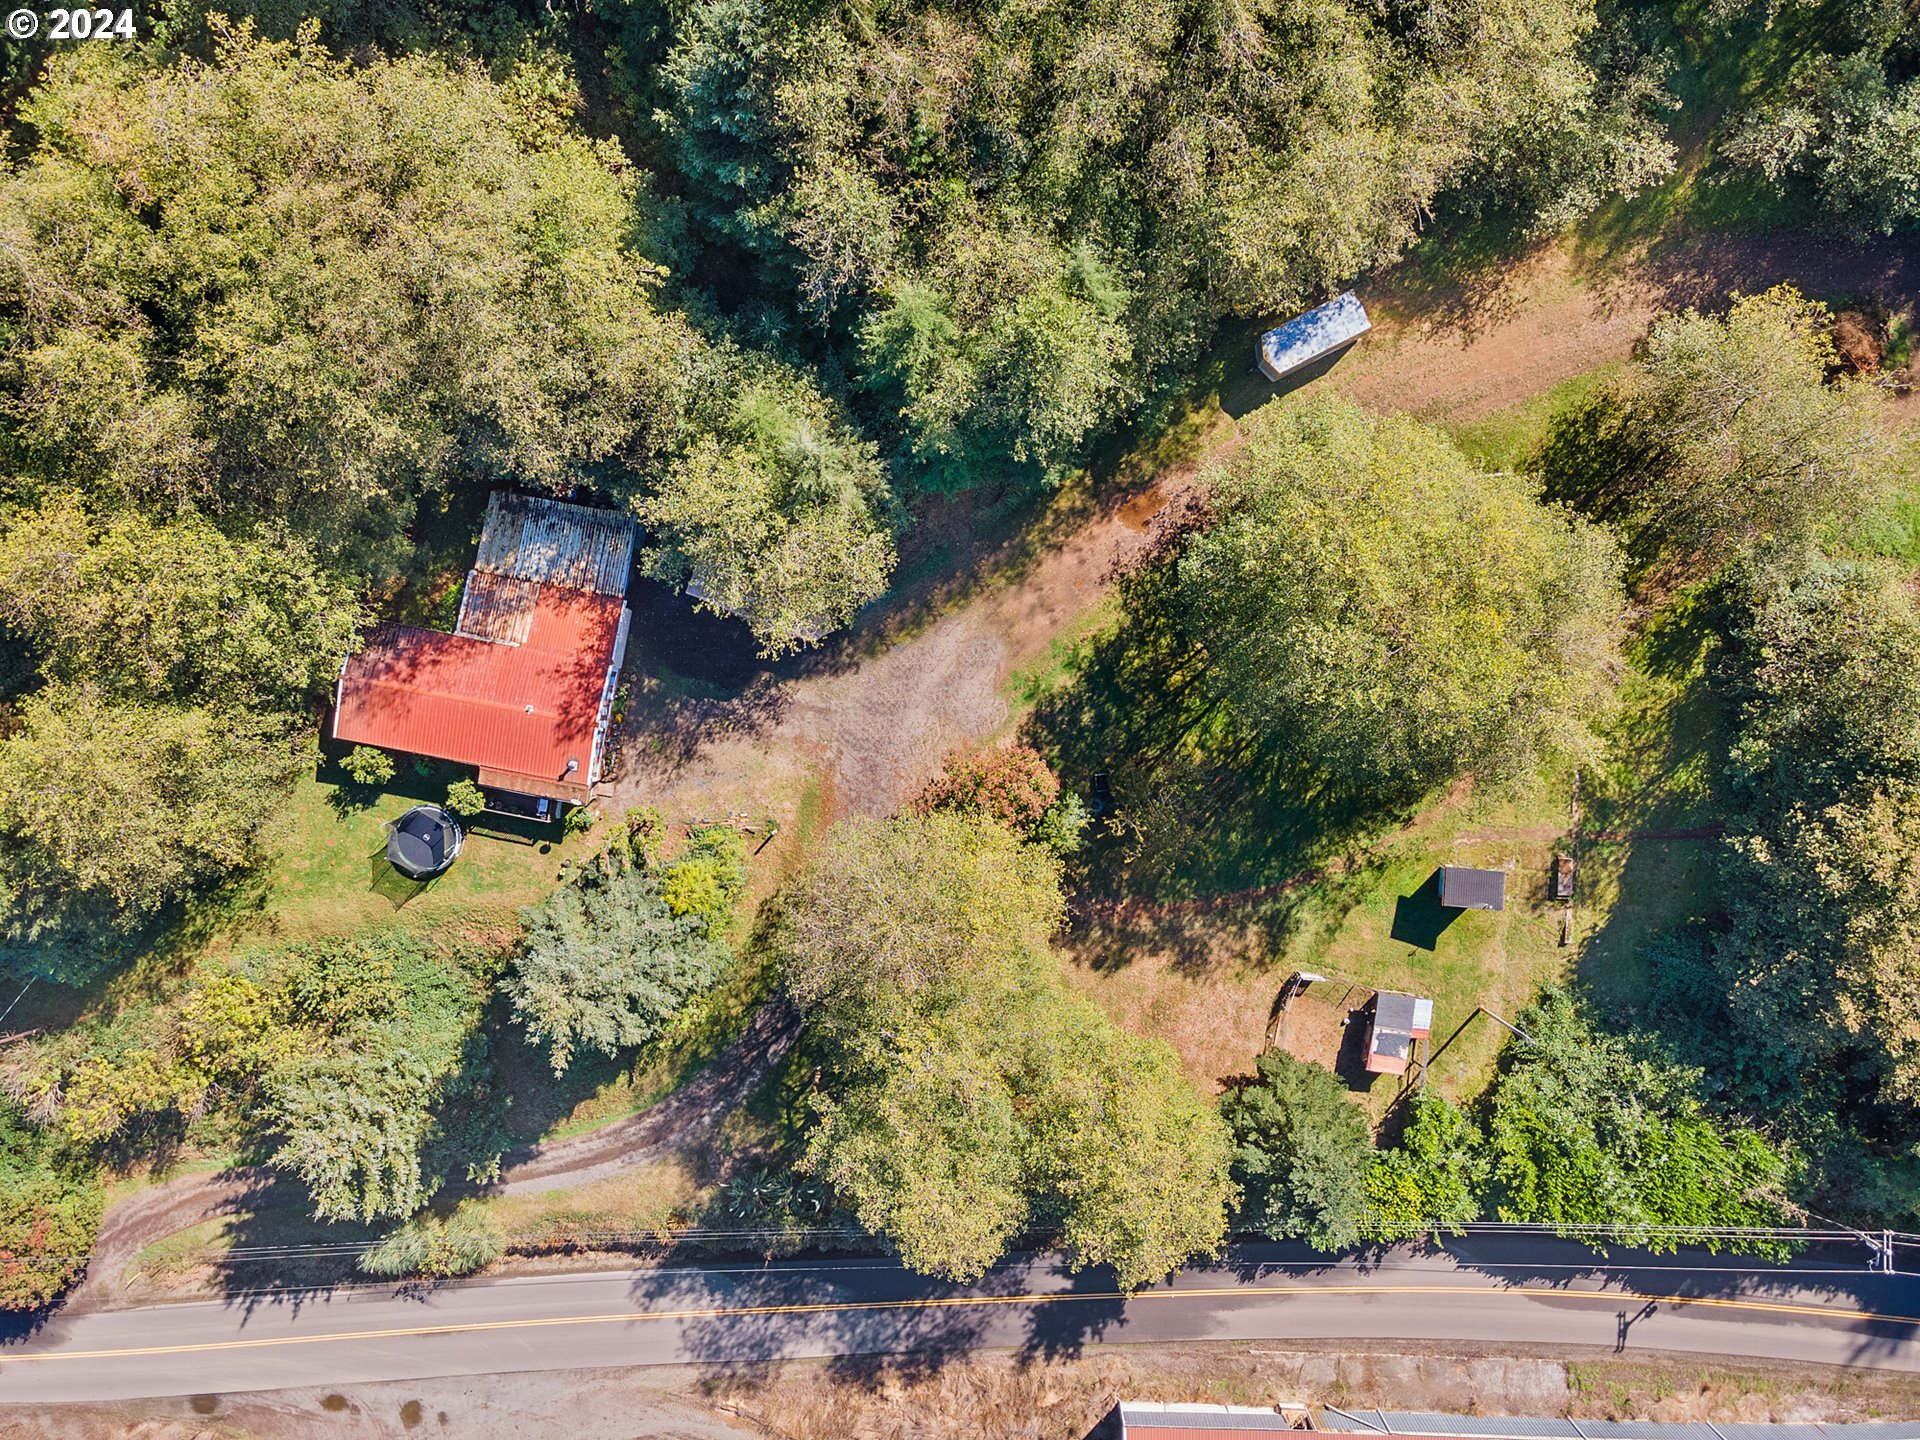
(526, 708)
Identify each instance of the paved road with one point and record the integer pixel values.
(1496, 1291)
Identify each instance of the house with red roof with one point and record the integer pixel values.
(523, 688)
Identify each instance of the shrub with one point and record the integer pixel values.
(580, 819)
(463, 1242)
(465, 799)
(49, 1215)
(1063, 829)
(367, 766)
(707, 878)
(1011, 784)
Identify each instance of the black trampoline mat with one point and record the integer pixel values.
(420, 842)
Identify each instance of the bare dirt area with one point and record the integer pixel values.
(874, 718)
(1465, 348)
(1000, 1395)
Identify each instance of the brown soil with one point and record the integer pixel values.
(876, 719)
(1464, 349)
(996, 1396)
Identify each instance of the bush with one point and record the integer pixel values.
(1063, 829)
(580, 819)
(465, 799)
(1012, 785)
(49, 1214)
(463, 1242)
(707, 879)
(367, 766)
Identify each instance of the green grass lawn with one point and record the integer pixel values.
(1508, 440)
(327, 871)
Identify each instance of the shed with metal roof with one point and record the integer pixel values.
(1464, 888)
(1323, 331)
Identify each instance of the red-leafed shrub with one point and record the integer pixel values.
(1012, 785)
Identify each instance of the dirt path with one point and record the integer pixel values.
(1466, 349)
(876, 727)
(682, 1118)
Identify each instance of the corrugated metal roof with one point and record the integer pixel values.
(581, 547)
(497, 608)
(526, 708)
(1312, 336)
(1406, 1423)
(1156, 1420)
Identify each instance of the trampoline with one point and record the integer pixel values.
(424, 841)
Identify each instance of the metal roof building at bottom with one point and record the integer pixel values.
(1416, 1425)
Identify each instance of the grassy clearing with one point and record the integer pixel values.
(1206, 980)
(1507, 441)
(327, 871)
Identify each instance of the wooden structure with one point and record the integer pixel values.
(522, 690)
(1563, 877)
(1396, 1022)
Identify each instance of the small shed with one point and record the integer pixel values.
(1398, 1020)
(1320, 332)
(1464, 888)
(424, 841)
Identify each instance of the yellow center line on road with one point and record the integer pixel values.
(827, 1307)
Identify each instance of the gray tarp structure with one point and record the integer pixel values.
(424, 841)
(1464, 888)
(1313, 336)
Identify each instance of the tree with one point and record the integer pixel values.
(176, 610)
(1822, 889)
(354, 1121)
(1300, 1153)
(1030, 220)
(1136, 1156)
(1431, 1181)
(50, 1208)
(707, 879)
(973, 1093)
(1369, 602)
(1011, 784)
(1842, 129)
(914, 916)
(137, 803)
(606, 962)
(427, 1244)
(276, 284)
(1727, 436)
(1584, 1135)
(782, 517)
(365, 765)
